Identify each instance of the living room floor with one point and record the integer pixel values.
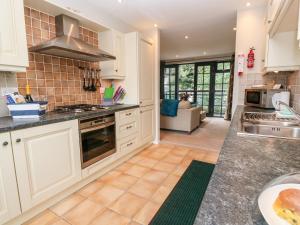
(144, 181)
(209, 136)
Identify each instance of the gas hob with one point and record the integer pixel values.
(78, 108)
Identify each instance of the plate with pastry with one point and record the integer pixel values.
(280, 204)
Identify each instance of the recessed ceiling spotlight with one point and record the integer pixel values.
(204, 53)
(176, 56)
(234, 28)
(248, 4)
(120, 1)
(155, 25)
(276, 71)
(186, 37)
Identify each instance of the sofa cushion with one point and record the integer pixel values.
(169, 107)
(184, 105)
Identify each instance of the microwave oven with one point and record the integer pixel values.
(261, 98)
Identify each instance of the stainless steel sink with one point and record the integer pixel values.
(267, 125)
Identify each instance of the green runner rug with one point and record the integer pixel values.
(182, 205)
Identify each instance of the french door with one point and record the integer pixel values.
(206, 83)
(212, 87)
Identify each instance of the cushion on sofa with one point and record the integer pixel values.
(169, 107)
(184, 105)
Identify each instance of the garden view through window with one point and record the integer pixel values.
(206, 83)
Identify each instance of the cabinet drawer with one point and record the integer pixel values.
(128, 116)
(127, 145)
(127, 129)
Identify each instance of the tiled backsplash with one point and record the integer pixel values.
(8, 82)
(294, 86)
(57, 79)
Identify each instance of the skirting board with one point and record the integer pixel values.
(43, 206)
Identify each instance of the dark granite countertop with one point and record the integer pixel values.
(245, 166)
(9, 124)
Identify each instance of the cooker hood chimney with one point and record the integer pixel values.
(67, 43)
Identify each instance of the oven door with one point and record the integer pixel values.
(253, 97)
(97, 143)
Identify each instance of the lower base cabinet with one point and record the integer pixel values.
(147, 116)
(9, 198)
(47, 161)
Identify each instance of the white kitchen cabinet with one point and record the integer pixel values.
(9, 198)
(13, 46)
(112, 42)
(278, 11)
(146, 84)
(47, 161)
(147, 116)
(139, 59)
(282, 52)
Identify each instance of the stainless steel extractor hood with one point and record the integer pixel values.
(67, 43)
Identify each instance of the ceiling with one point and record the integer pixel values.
(208, 23)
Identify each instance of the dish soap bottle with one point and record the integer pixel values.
(28, 97)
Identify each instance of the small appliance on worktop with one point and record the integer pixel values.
(261, 98)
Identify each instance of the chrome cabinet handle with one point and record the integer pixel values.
(128, 114)
(129, 144)
(128, 127)
(18, 140)
(5, 143)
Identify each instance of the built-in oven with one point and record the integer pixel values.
(98, 139)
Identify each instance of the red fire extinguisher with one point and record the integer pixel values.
(251, 59)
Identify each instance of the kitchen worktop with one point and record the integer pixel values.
(244, 167)
(10, 124)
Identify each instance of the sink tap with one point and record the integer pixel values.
(297, 115)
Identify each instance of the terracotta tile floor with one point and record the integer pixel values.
(130, 194)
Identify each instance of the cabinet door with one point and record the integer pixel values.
(146, 85)
(13, 46)
(9, 198)
(146, 124)
(47, 160)
(119, 50)
(113, 43)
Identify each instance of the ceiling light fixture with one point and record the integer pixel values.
(248, 4)
(155, 25)
(176, 56)
(204, 53)
(120, 1)
(234, 28)
(186, 37)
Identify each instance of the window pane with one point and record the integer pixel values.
(186, 77)
(219, 78)
(220, 66)
(206, 78)
(218, 87)
(207, 69)
(227, 66)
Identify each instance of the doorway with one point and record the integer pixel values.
(207, 84)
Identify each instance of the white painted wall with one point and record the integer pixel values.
(251, 32)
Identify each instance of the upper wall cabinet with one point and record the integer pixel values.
(282, 48)
(13, 47)
(112, 42)
(279, 10)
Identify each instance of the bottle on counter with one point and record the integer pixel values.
(28, 97)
